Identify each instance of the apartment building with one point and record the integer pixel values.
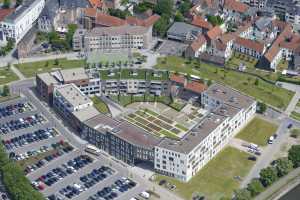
(70, 102)
(288, 10)
(256, 3)
(18, 23)
(134, 81)
(230, 111)
(113, 38)
(88, 83)
(249, 47)
(120, 139)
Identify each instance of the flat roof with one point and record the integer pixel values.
(137, 136)
(47, 78)
(73, 74)
(73, 95)
(86, 114)
(195, 136)
(229, 96)
(123, 130)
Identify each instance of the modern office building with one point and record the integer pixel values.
(134, 81)
(18, 23)
(112, 38)
(88, 83)
(228, 112)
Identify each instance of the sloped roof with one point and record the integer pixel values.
(196, 44)
(250, 44)
(5, 12)
(214, 33)
(196, 87)
(177, 78)
(107, 20)
(236, 6)
(142, 22)
(200, 22)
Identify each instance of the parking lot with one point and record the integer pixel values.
(54, 165)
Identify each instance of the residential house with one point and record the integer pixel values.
(249, 47)
(233, 10)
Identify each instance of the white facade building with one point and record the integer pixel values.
(17, 24)
(230, 111)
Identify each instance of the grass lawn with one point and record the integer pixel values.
(7, 75)
(263, 91)
(216, 179)
(258, 131)
(8, 98)
(100, 105)
(31, 69)
(295, 115)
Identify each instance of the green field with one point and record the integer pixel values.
(7, 75)
(295, 115)
(100, 105)
(98, 57)
(216, 179)
(31, 69)
(258, 131)
(263, 91)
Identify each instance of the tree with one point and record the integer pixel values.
(5, 90)
(69, 36)
(119, 13)
(256, 82)
(19, 2)
(294, 155)
(164, 7)
(6, 4)
(242, 194)
(262, 107)
(178, 17)
(283, 166)
(185, 6)
(255, 187)
(161, 26)
(56, 62)
(215, 20)
(268, 176)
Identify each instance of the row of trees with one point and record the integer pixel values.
(271, 174)
(14, 180)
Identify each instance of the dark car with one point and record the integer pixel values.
(253, 158)
(290, 126)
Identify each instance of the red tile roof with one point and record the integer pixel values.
(196, 44)
(107, 20)
(177, 78)
(90, 12)
(195, 86)
(142, 22)
(200, 22)
(5, 12)
(250, 44)
(214, 33)
(236, 6)
(96, 3)
(274, 49)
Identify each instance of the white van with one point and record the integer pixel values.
(145, 194)
(271, 139)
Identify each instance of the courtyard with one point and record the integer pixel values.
(164, 121)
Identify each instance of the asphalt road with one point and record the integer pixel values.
(267, 157)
